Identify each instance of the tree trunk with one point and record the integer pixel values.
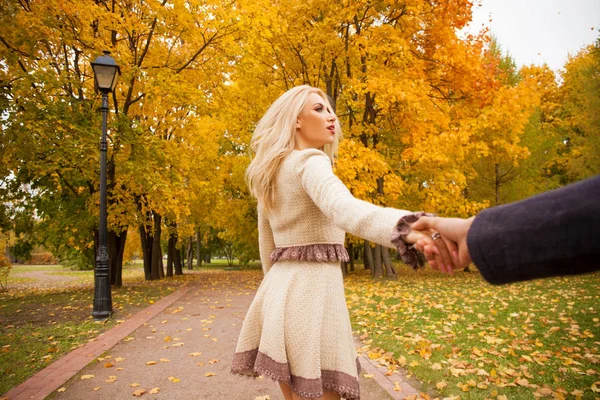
(171, 249)
(368, 256)
(497, 183)
(156, 250)
(147, 241)
(207, 258)
(177, 260)
(390, 271)
(116, 248)
(190, 254)
(351, 254)
(378, 270)
(198, 249)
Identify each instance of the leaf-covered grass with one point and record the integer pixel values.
(458, 335)
(461, 336)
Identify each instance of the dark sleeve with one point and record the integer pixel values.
(554, 233)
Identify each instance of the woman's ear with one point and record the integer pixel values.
(298, 123)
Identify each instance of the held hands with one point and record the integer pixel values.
(453, 239)
(437, 250)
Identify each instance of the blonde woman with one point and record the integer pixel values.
(297, 330)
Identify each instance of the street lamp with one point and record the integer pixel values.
(106, 75)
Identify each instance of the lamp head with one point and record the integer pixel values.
(106, 72)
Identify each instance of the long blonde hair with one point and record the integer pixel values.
(275, 137)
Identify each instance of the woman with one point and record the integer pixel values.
(297, 330)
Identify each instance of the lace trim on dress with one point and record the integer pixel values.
(410, 256)
(254, 363)
(311, 252)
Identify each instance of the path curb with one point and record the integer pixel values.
(59, 372)
(386, 382)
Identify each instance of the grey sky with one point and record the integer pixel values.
(538, 31)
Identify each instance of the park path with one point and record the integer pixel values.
(183, 348)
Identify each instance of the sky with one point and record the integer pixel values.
(539, 31)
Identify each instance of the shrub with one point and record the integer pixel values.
(5, 267)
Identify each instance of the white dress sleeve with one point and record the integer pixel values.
(266, 243)
(333, 198)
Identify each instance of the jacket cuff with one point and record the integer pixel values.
(409, 255)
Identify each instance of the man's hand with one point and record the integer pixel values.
(453, 230)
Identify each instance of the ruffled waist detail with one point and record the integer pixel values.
(311, 252)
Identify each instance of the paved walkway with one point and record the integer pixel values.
(181, 345)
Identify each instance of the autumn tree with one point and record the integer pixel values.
(579, 149)
(172, 57)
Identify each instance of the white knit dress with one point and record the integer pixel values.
(297, 329)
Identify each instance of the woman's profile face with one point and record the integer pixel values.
(315, 125)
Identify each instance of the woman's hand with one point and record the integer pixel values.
(439, 249)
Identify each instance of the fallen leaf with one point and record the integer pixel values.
(178, 345)
(596, 387)
(62, 389)
(213, 361)
(134, 385)
(441, 385)
(154, 390)
(83, 377)
(165, 360)
(196, 354)
(545, 391)
(209, 374)
(265, 397)
(522, 382)
(369, 376)
(151, 363)
(436, 366)
(139, 392)
(109, 365)
(96, 389)
(397, 387)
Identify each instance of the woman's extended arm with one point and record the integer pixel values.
(355, 216)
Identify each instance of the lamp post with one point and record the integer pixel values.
(106, 75)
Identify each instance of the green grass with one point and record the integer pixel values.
(217, 263)
(18, 268)
(482, 340)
